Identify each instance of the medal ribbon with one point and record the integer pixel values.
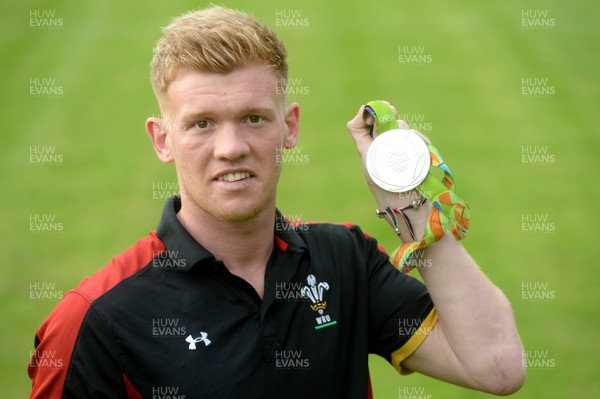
(448, 211)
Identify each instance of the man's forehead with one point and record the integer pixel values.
(249, 86)
(255, 76)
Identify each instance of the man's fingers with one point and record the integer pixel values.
(402, 124)
(422, 136)
(359, 123)
(359, 129)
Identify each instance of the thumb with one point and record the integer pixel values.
(359, 129)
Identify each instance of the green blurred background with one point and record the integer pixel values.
(466, 94)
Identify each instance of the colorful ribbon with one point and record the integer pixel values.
(448, 211)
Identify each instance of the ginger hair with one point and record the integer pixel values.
(217, 40)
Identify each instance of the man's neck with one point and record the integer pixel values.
(244, 247)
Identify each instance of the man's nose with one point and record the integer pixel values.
(230, 142)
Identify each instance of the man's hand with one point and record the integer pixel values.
(359, 128)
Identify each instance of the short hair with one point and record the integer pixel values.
(215, 39)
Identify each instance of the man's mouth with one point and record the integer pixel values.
(234, 176)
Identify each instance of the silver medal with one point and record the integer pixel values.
(398, 160)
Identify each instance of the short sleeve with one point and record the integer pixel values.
(399, 355)
(401, 310)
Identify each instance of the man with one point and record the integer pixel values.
(227, 299)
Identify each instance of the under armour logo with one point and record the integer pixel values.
(193, 341)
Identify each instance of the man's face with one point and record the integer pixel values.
(224, 132)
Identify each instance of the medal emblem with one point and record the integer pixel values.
(398, 160)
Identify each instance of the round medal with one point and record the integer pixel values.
(398, 160)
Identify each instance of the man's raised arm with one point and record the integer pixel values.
(475, 342)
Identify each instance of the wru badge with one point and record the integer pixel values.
(314, 292)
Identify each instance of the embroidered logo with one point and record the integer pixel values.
(315, 292)
(193, 341)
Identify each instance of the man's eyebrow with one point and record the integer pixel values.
(195, 116)
(267, 111)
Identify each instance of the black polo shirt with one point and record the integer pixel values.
(165, 319)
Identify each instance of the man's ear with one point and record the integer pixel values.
(157, 130)
(292, 122)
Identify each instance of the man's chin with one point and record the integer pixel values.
(230, 209)
(238, 214)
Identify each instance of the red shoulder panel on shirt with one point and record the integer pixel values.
(351, 225)
(57, 334)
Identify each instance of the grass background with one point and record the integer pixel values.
(470, 93)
